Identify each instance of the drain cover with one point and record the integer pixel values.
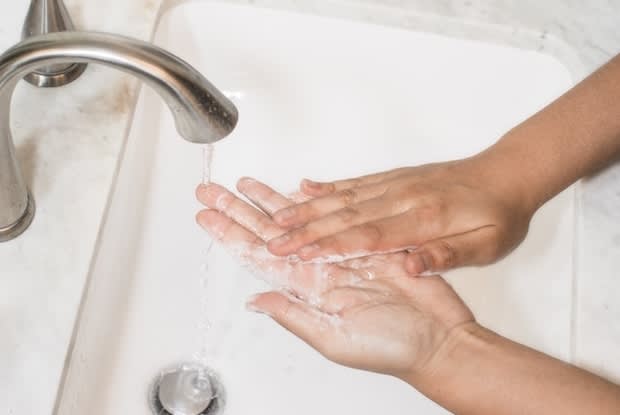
(188, 389)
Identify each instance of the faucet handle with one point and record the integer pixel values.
(48, 16)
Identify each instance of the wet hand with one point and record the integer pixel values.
(365, 313)
(447, 214)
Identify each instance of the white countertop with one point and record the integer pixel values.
(69, 141)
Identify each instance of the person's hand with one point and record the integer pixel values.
(447, 215)
(365, 313)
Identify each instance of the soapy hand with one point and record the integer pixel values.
(447, 215)
(365, 313)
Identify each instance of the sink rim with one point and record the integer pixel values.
(171, 4)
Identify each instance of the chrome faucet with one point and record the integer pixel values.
(50, 16)
(202, 113)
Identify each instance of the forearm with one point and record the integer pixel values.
(479, 372)
(573, 137)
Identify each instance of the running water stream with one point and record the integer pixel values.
(204, 324)
(207, 160)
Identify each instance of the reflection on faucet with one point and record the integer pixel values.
(202, 113)
(50, 16)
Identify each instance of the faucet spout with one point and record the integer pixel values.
(50, 16)
(202, 113)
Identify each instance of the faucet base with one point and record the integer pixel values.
(52, 80)
(16, 229)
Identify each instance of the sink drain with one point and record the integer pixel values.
(188, 389)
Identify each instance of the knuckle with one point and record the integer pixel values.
(262, 227)
(299, 234)
(293, 215)
(444, 255)
(347, 215)
(372, 235)
(432, 215)
(357, 182)
(293, 211)
(306, 211)
(433, 208)
(304, 235)
(347, 196)
(328, 188)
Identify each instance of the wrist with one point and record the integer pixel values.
(476, 371)
(512, 175)
(460, 340)
(452, 371)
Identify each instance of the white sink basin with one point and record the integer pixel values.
(319, 97)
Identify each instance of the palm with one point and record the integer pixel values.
(364, 312)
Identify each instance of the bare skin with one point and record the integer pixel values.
(466, 212)
(369, 314)
(444, 213)
(343, 310)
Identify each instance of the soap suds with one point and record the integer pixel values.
(338, 258)
(307, 281)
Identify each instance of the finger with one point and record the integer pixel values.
(299, 197)
(305, 212)
(379, 266)
(378, 237)
(263, 196)
(309, 281)
(306, 280)
(217, 197)
(227, 231)
(478, 247)
(342, 276)
(301, 319)
(332, 223)
(318, 189)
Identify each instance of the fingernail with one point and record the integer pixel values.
(244, 182)
(250, 305)
(284, 215)
(200, 190)
(307, 251)
(419, 263)
(200, 216)
(207, 191)
(282, 240)
(254, 309)
(427, 260)
(311, 184)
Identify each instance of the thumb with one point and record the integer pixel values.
(478, 247)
